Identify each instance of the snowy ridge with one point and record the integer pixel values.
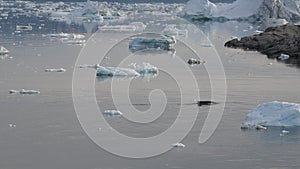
(253, 10)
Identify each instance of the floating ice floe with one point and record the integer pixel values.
(144, 68)
(3, 50)
(162, 43)
(95, 66)
(171, 30)
(12, 125)
(273, 114)
(23, 92)
(75, 42)
(178, 145)
(55, 70)
(283, 57)
(116, 71)
(192, 61)
(23, 28)
(112, 113)
(66, 36)
(132, 27)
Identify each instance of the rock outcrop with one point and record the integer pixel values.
(273, 42)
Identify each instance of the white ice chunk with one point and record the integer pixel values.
(273, 114)
(3, 50)
(283, 57)
(144, 68)
(134, 26)
(23, 92)
(195, 61)
(163, 43)
(178, 145)
(55, 70)
(75, 42)
(116, 71)
(95, 66)
(112, 113)
(66, 36)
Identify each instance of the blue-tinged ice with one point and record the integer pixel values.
(144, 68)
(112, 113)
(116, 71)
(24, 92)
(282, 114)
(162, 43)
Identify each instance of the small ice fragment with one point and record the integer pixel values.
(96, 66)
(75, 42)
(145, 68)
(285, 132)
(12, 125)
(55, 70)
(23, 28)
(283, 57)
(270, 64)
(258, 32)
(3, 50)
(195, 61)
(112, 113)
(23, 91)
(178, 145)
(260, 127)
(206, 45)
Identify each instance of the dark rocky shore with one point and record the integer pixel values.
(273, 42)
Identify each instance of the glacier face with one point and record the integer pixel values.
(254, 10)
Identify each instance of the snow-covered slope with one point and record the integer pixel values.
(254, 10)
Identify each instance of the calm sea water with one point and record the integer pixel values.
(48, 135)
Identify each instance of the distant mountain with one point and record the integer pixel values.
(252, 10)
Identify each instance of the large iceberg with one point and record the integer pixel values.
(132, 71)
(252, 10)
(163, 43)
(282, 114)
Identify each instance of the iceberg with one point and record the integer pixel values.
(178, 145)
(251, 10)
(55, 70)
(192, 61)
(112, 113)
(132, 27)
(164, 43)
(23, 92)
(91, 66)
(3, 51)
(116, 71)
(74, 42)
(284, 57)
(281, 114)
(144, 68)
(66, 36)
